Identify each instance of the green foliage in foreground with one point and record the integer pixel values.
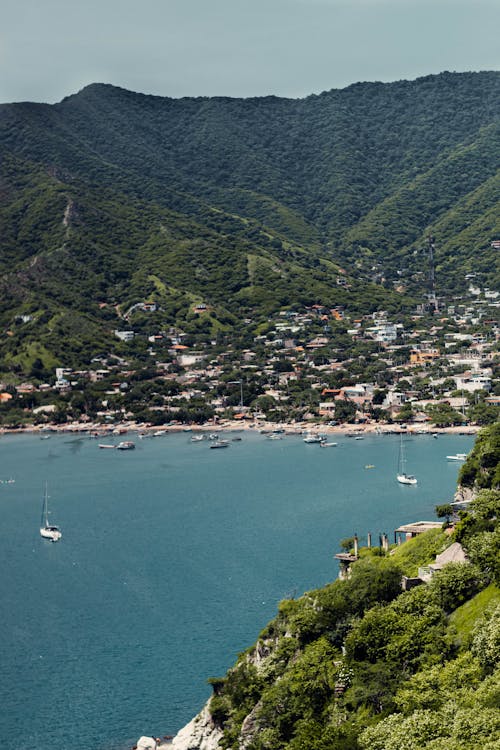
(360, 665)
(482, 467)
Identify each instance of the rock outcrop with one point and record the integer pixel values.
(200, 734)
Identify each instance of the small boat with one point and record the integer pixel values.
(359, 437)
(159, 433)
(213, 436)
(48, 530)
(274, 437)
(324, 444)
(402, 476)
(457, 457)
(370, 466)
(125, 445)
(220, 444)
(106, 445)
(236, 439)
(314, 439)
(197, 438)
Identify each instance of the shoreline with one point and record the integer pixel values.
(298, 428)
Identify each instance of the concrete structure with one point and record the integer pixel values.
(411, 530)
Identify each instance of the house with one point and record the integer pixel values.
(125, 335)
(455, 553)
(326, 408)
(194, 358)
(422, 356)
(318, 342)
(97, 375)
(474, 381)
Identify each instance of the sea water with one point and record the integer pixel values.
(173, 558)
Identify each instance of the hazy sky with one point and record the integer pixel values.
(52, 48)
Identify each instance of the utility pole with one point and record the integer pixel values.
(240, 383)
(431, 296)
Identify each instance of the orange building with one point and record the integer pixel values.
(421, 357)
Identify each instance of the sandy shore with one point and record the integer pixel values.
(122, 428)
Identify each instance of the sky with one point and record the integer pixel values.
(50, 49)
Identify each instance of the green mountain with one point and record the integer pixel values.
(248, 205)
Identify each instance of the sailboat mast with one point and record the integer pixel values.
(45, 511)
(401, 461)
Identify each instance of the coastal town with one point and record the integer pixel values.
(304, 366)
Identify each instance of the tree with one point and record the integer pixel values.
(486, 639)
(455, 584)
(345, 411)
(378, 397)
(443, 415)
(483, 414)
(444, 511)
(406, 413)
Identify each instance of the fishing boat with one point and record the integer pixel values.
(48, 530)
(402, 476)
(457, 457)
(125, 445)
(314, 439)
(220, 444)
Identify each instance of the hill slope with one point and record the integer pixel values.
(245, 203)
(359, 664)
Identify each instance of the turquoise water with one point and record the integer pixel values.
(173, 558)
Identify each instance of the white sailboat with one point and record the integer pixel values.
(48, 530)
(402, 476)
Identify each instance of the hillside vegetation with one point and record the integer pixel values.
(359, 664)
(112, 197)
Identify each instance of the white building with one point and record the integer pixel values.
(125, 335)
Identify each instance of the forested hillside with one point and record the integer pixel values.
(245, 204)
(361, 665)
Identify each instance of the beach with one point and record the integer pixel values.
(293, 428)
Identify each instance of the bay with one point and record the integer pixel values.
(173, 558)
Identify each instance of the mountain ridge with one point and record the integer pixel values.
(357, 177)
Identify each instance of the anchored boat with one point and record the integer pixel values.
(48, 530)
(402, 476)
